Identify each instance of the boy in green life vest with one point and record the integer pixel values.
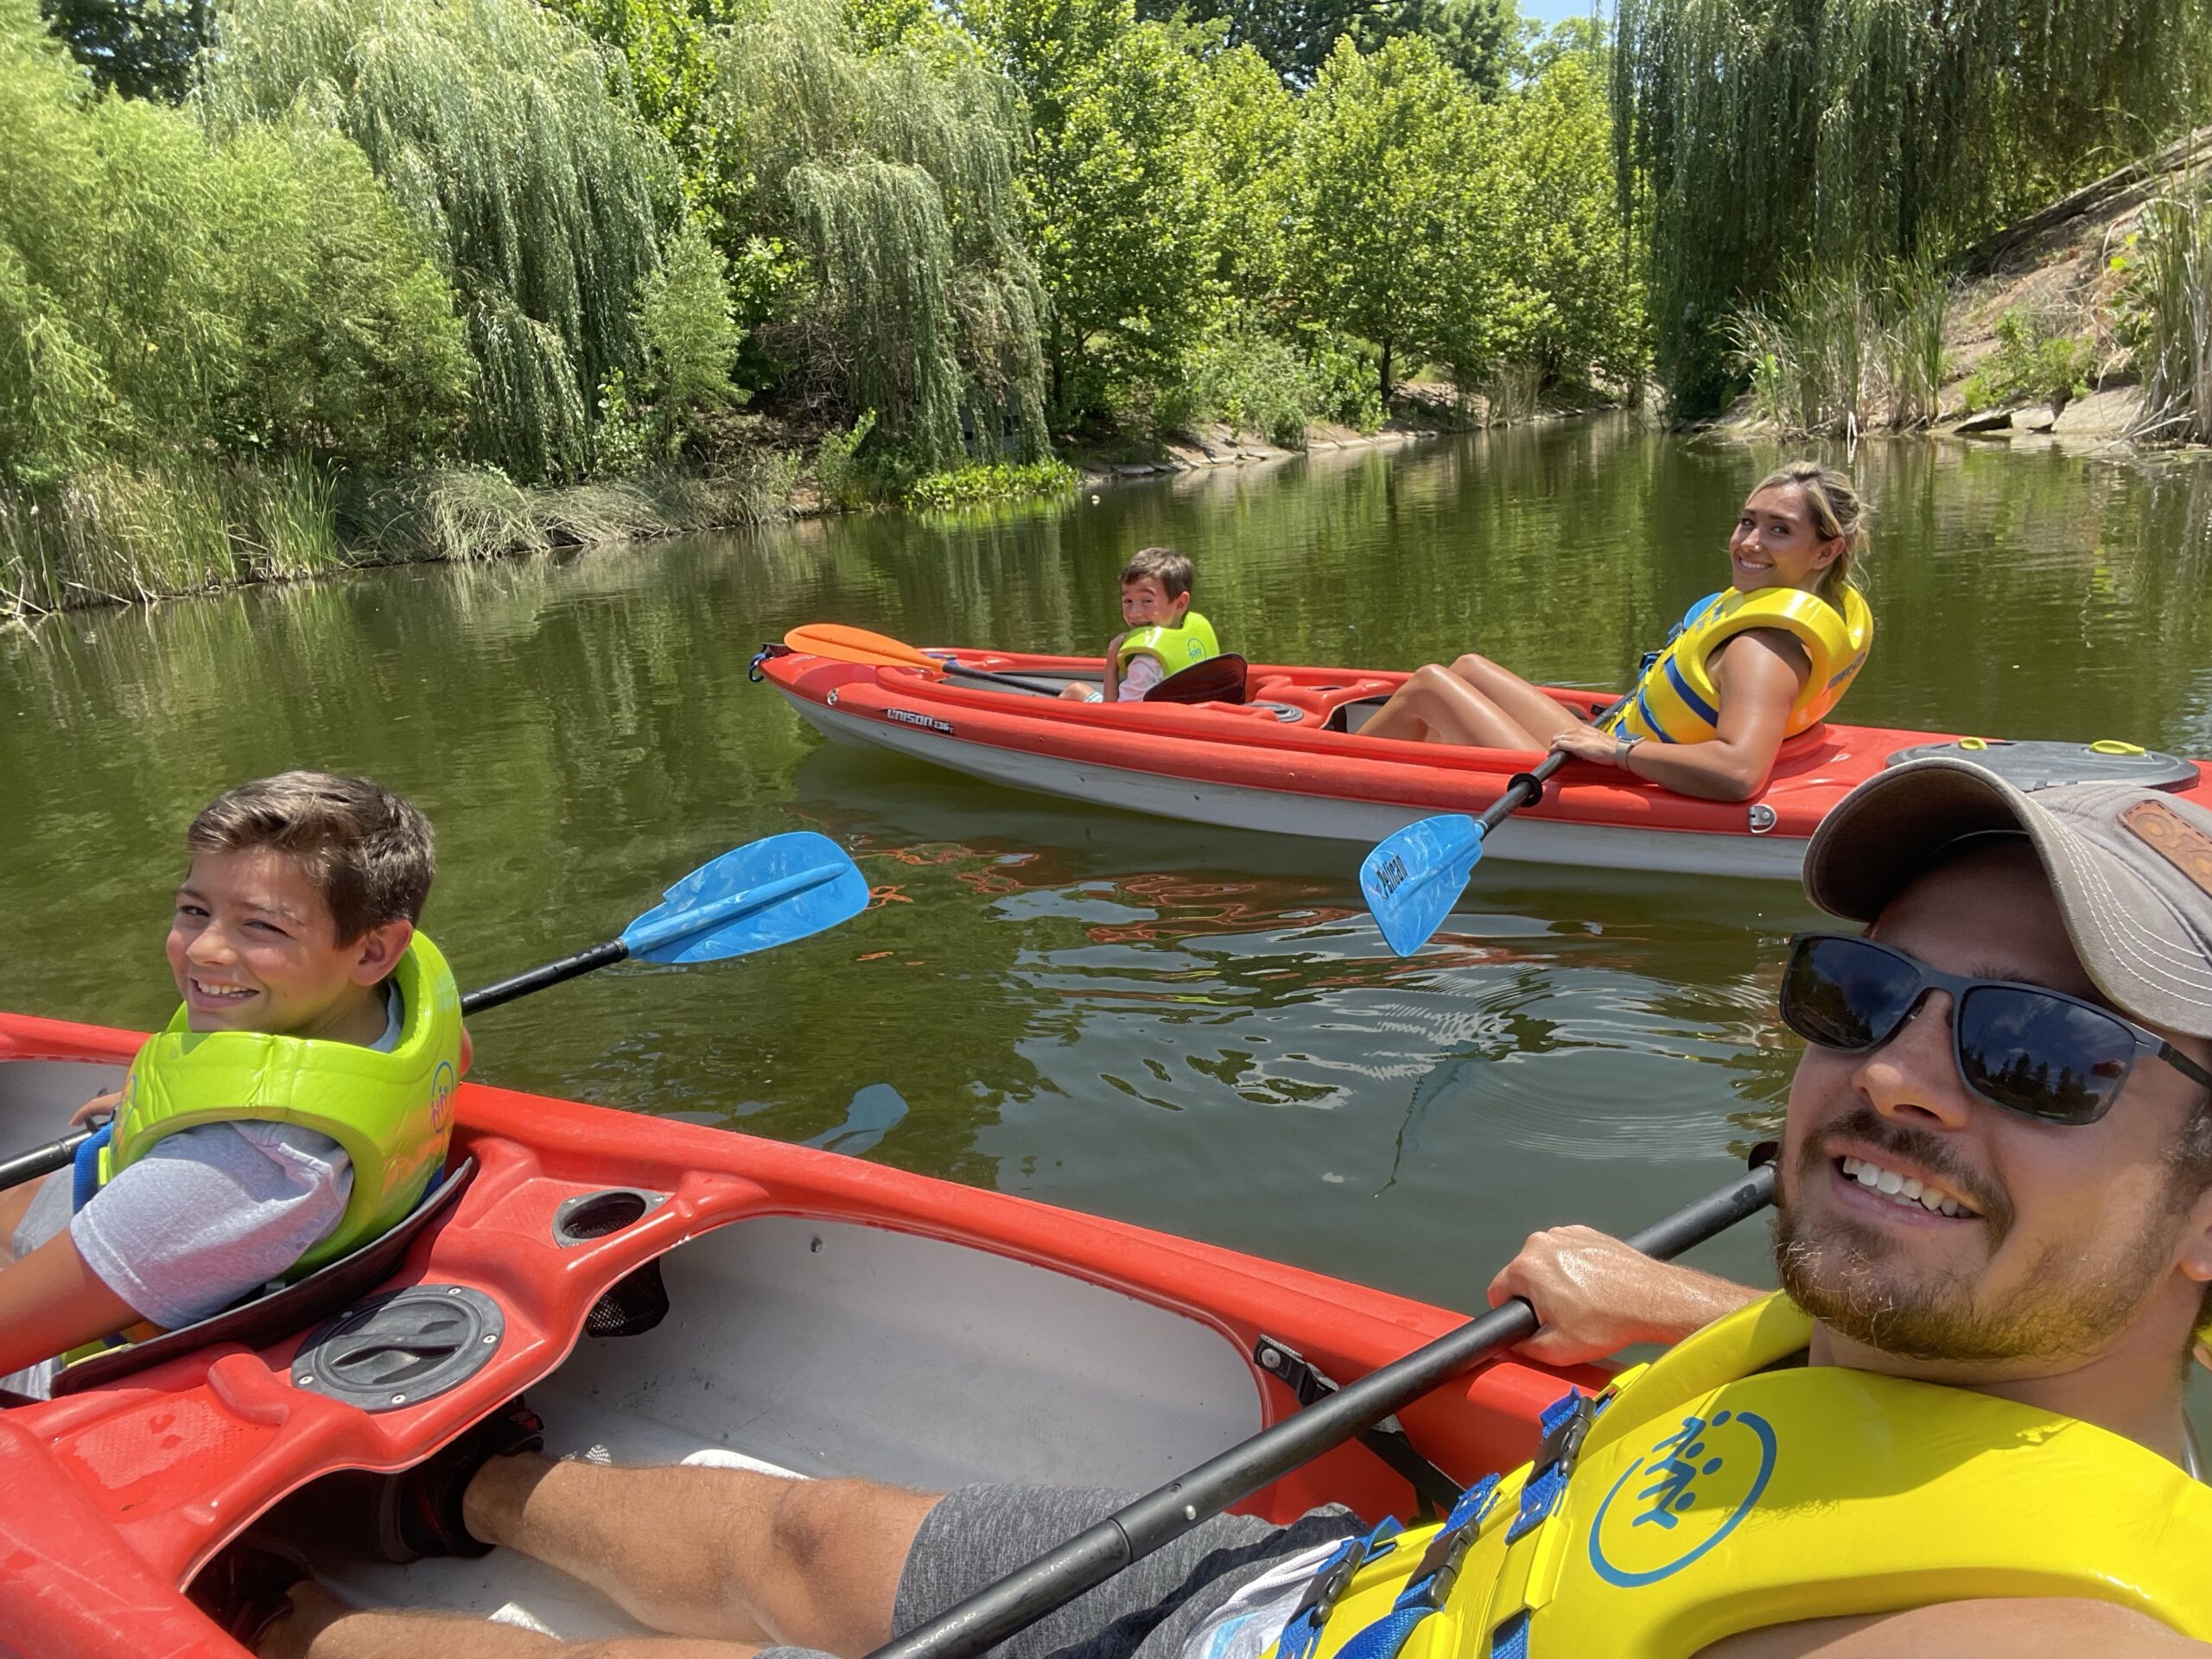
(1164, 633)
(297, 1105)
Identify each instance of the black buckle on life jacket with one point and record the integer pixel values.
(1432, 1577)
(1563, 1438)
(766, 654)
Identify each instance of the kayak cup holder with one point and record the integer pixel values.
(637, 1301)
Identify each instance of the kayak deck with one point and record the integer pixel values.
(827, 1317)
(1294, 760)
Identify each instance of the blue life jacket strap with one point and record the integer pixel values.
(85, 1170)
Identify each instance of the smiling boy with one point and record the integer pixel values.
(296, 1105)
(1163, 635)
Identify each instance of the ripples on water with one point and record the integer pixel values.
(1192, 1028)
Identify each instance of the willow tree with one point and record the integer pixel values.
(893, 164)
(509, 137)
(1751, 137)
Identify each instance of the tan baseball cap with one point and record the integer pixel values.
(2131, 868)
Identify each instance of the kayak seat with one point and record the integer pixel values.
(1217, 679)
(1350, 716)
(269, 1316)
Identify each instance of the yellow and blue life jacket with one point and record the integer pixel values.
(1172, 648)
(392, 1112)
(1703, 1495)
(1677, 701)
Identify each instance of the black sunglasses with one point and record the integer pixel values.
(2026, 1048)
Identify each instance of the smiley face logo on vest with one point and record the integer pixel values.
(442, 1083)
(1680, 1498)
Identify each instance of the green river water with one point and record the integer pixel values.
(1193, 1029)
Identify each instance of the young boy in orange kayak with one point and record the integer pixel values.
(298, 1103)
(1164, 633)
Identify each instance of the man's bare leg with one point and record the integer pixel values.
(729, 1553)
(320, 1626)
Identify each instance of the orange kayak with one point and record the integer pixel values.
(1290, 758)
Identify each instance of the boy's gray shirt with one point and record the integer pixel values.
(208, 1214)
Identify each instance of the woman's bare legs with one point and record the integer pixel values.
(1474, 702)
(1541, 716)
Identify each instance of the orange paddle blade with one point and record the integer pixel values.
(845, 644)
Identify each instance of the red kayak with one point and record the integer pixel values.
(796, 1310)
(1285, 754)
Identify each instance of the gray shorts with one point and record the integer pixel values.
(980, 1533)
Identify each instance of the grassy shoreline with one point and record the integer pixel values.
(123, 536)
(120, 537)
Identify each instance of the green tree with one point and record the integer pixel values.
(1398, 198)
(1251, 127)
(519, 159)
(141, 48)
(164, 296)
(1120, 188)
(690, 336)
(671, 50)
(1568, 245)
(892, 167)
(1479, 38)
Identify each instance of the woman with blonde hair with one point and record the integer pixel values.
(1758, 662)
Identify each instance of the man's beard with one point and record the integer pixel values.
(1847, 1275)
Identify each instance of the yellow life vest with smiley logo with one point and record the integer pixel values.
(1710, 1496)
(1677, 700)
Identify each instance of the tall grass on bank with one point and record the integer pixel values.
(478, 513)
(112, 534)
(2171, 303)
(1847, 351)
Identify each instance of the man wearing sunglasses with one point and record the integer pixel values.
(1997, 1159)
(1995, 1208)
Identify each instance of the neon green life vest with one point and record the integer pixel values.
(392, 1112)
(1172, 648)
(1711, 1494)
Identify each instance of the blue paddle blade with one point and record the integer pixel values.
(1411, 880)
(751, 899)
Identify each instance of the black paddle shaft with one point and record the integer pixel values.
(58, 1154)
(1096, 1555)
(599, 956)
(1527, 788)
(1035, 688)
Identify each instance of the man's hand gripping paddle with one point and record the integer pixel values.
(844, 644)
(753, 898)
(1412, 879)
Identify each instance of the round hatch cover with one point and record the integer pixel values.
(399, 1350)
(2045, 765)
